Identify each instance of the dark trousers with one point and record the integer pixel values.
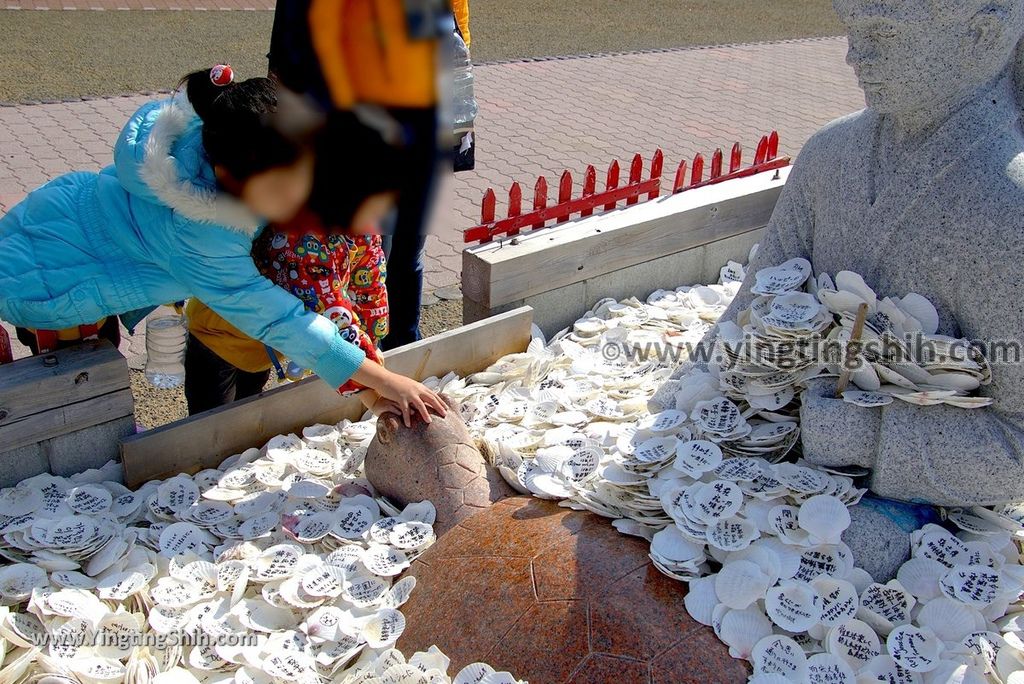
(405, 288)
(210, 381)
(110, 330)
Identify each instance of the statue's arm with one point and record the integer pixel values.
(939, 454)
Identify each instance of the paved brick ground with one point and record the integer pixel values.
(535, 118)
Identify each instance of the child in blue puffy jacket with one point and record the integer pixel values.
(194, 180)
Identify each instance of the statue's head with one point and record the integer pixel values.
(912, 55)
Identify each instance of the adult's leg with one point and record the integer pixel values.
(409, 237)
(210, 381)
(405, 289)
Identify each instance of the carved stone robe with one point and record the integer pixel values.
(949, 226)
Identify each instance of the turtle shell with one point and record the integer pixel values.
(554, 595)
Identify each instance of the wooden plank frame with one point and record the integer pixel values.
(48, 396)
(205, 440)
(500, 273)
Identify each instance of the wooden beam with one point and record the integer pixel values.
(499, 273)
(39, 383)
(205, 440)
(43, 397)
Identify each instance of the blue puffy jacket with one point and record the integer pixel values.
(148, 230)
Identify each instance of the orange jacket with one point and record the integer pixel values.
(461, 10)
(367, 56)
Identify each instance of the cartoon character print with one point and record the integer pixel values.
(363, 277)
(334, 242)
(307, 295)
(310, 245)
(340, 316)
(380, 328)
(351, 334)
(279, 241)
(357, 250)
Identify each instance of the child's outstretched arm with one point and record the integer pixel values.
(226, 279)
(228, 282)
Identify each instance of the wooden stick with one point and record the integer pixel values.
(851, 348)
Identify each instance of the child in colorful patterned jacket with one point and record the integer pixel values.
(338, 274)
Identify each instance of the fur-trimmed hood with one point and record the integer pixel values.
(160, 158)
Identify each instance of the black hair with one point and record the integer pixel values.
(354, 161)
(238, 131)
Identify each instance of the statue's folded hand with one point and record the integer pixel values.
(834, 432)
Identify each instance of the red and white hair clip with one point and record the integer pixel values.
(222, 75)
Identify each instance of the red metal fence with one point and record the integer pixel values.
(766, 158)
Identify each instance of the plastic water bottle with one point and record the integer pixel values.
(166, 337)
(462, 70)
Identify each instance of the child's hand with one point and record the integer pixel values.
(407, 394)
(382, 406)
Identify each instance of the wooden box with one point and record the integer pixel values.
(63, 412)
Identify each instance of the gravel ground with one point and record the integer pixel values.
(57, 55)
(154, 407)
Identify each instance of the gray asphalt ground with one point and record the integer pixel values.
(65, 54)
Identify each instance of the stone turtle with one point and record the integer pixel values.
(544, 592)
(439, 462)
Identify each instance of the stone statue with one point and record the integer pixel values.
(923, 191)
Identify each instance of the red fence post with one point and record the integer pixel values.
(698, 170)
(736, 158)
(657, 162)
(564, 195)
(612, 182)
(540, 199)
(680, 181)
(636, 171)
(716, 164)
(762, 151)
(589, 188)
(515, 204)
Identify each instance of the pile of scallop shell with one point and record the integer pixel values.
(279, 566)
(701, 476)
(799, 326)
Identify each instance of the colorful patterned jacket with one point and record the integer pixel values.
(339, 276)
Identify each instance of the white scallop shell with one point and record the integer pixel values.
(914, 649)
(825, 668)
(885, 606)
(741, 630)
(732, 534)
(948, 619)
(839, 600)
(975, 585)
(741, 583)
(701, 599)
(669, 544)
(778, 654)
(793, 606)
(384, 628)
(824, 518)
(920, 576)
